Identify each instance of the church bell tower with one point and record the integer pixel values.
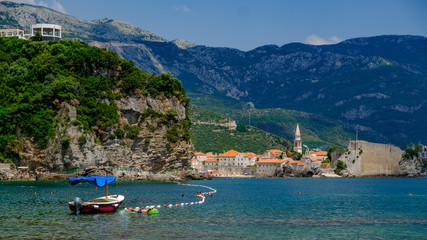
(297, 141)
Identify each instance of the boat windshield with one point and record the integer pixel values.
(95, 180)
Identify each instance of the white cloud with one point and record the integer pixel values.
(58, 7)
(55, 5)
(313, 39)
(182, 8)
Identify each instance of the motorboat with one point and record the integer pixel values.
(107, 203)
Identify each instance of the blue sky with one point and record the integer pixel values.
(247, 24)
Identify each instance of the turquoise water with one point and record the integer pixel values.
(365, 208)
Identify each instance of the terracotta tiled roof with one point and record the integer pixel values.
(301, 164)
(362, 141)
(249, 154)
(322, 153)
(313, 159)
(211, 160)
(230, 153)
(276, 152)
(271, 160)
(198, 153)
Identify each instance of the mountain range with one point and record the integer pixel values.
(376, 85)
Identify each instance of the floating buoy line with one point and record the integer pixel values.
(201, 195)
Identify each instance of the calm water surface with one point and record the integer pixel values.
(366, 208)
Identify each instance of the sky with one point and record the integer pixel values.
(247, 24)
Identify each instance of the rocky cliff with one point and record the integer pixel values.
(150, 150)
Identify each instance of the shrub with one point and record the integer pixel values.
(241, 128)
(132, 132)
(65, 141)
(410, 153)
(341, 165)
(76, 123)
(120, 133)
(172, 114)
(327, 160)
(172, 134)
(147, 140)
(82, 139)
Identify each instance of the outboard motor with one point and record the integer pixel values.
(77, 204)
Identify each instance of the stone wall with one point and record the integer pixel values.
(372, 159)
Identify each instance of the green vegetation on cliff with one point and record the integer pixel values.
(37, 78)
(208, 135)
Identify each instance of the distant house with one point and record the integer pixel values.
(273, 153)
(229, 158)
(200, 156)
(268, 166)
(47, 31)
(249, 159)
(210, 155)
(322, 155)
(293, 164)
(301, 166)
(211, 162)
(12, 32)
(196, 164)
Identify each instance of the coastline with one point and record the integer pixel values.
(185, 176)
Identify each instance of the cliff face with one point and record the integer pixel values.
(365, 159)
(149, 150)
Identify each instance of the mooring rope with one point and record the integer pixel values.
(201, 195)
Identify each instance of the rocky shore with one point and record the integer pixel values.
(40, 174)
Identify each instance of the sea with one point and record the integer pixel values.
(242, 208)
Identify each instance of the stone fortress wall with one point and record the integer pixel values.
(372, 159)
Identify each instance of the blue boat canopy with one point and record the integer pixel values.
(95, 180)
